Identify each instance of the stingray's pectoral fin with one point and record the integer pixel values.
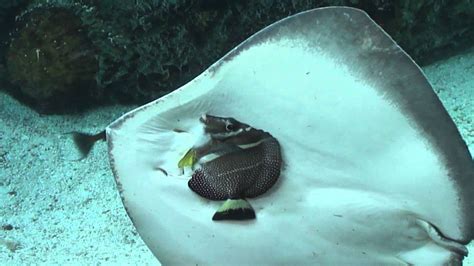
(235, 209)
(84, 142)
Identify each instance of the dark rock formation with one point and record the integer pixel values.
(51, 60)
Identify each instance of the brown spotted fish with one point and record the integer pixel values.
(245, 163)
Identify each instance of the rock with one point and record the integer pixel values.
(51, 60)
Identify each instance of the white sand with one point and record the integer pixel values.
(64, 212)
(69, 212)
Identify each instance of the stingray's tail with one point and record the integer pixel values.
(84, 142)
(235, 209)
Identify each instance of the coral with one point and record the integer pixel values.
(51, 59)
(8, 9)
(145, 49)
(156, 46)
(431, 29)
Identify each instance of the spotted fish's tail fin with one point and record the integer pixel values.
(84, 141)
(234, 209)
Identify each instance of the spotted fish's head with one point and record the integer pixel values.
(223, 128)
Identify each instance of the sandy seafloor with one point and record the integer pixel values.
(68, 212)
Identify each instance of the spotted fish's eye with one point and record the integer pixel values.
(229, 127)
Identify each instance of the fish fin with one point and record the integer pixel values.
(189, 159)
(84, 142)
(234, 209)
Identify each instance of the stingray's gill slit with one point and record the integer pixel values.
(161, 170)
(238, 162)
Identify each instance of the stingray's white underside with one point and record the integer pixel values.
(358, 174)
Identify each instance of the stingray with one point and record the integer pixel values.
(375, 171)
